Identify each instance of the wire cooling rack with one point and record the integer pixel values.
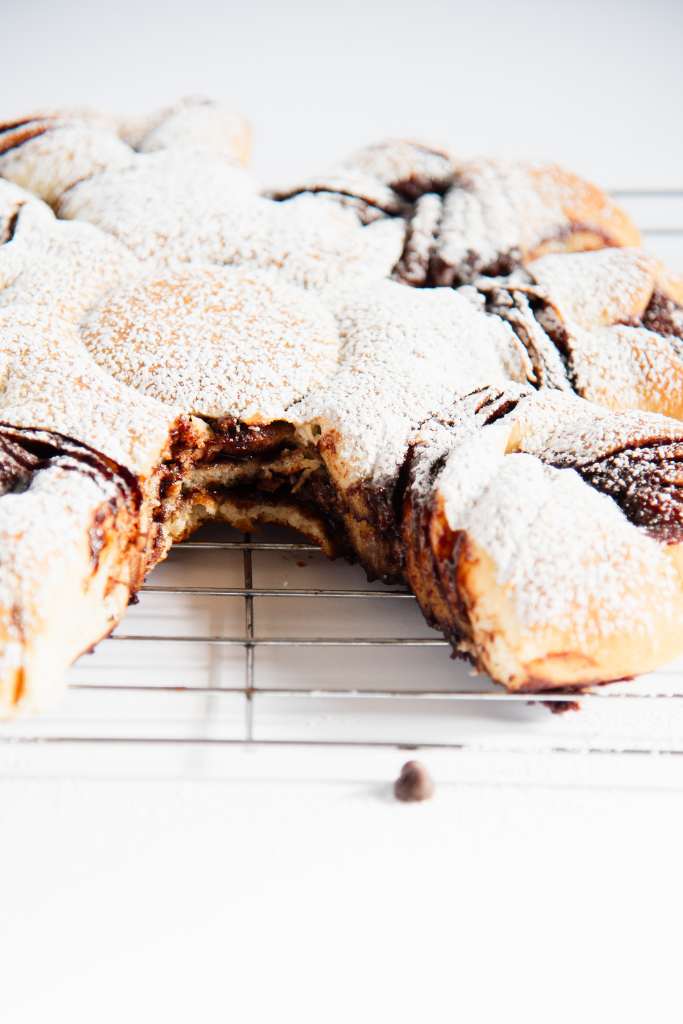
(226, 648)
(260, 642)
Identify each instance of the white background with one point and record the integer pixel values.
(596, 85)
(247, 897)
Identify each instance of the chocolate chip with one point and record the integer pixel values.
(560, 707)
(414, 783)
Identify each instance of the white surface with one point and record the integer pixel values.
(237, 896)
(300, 902)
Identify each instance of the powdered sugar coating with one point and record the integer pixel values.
(400, 163)
(465, 218)
(500, 208)
(48, 381)
(563, 429)
(566, 554)
(36, 217)
(63, 153)
(406, 354)
(215, 342)
(188, 337)
(163, 205)
(182, 199)
(595, 289)
(195, 123)
(63, 267)
(46, 525)
(168, 214)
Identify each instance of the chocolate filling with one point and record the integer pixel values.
(13, 136)
(24, 453)
(646, 482)
(422, 263)
(495, 405)
(235, 440)
(538, 328)
(442, 273)
(10, 226)
(663, 316)
(422, 231)
(368, 210)
(241, 474)
(555, 330)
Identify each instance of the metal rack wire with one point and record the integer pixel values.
(664, 691)
(249, 642)
(248, 689)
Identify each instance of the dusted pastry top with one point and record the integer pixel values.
(467, 218)
(215, 342)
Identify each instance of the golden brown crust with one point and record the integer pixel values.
(550, 604)
(594, 220)
(604, 324)
(670, 284)
(554, 657)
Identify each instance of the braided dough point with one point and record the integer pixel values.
(498, 214)
(200, 124)
(194, 122)
(48, 156)
(625, 367)
(54, 600)
(597, 289)
(25, 222)
(160, 206)
(467, 218)
(14, 200)
(381, 178)
(404, 354)
(48, 381)
(71, 525)
(64, 267)
(532, 566)
(215, 342)
(618, 326)
(36, 216)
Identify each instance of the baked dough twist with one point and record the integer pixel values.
(177, 347)
(464, 219)
(607, 325)
(544, 536)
